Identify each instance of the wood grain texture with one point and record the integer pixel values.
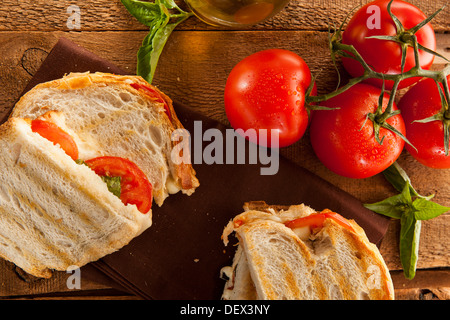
(193, 70)
(106, 15)
(15, 283)
(427, 285)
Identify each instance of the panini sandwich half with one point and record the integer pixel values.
(296, 253)
(83, 158)
(122, 115)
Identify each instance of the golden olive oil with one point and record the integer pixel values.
(235, 13)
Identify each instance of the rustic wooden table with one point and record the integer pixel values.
(192, 70)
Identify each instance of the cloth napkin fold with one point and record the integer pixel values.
(181, 254)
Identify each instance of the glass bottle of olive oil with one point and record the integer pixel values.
(235, 13)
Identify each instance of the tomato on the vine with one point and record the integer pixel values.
(266, 90)
(423, 101)
(344, 140)
(385, 56)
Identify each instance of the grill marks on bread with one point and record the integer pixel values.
(123, 121)
(333, 263)
(55, 213)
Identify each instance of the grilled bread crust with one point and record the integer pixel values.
(124, 121)
(54, 213)
(333, 264)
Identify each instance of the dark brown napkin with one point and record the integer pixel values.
(181, 255)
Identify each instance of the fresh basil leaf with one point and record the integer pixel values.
(395, 206)
(426, 210)
(145, 12)
(392, 207)
(170, 4)
(409, 243)
(398, 177)
(113, 184)
(80, 161)
(147, 56)
(162, 22)
(151, 49)
(410, 214)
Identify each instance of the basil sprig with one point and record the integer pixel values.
(113, 184)
(161, 16)
(411, 208)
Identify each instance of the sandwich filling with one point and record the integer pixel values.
(303, 227)
(122, 176)
(117, 115)
(299, 253)
(154, 95)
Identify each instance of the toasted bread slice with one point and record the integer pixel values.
(331, 263)
(239, 285)
(55, 213)
(125, 120)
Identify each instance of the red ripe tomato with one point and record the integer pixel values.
(420, 102)
(55, 134)
(135, 188)
(154, 95)
(345, 142)
(316, 220)
(383, 55)
(266, 90)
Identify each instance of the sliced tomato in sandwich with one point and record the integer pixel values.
(316, 220)
(135, 187)
(55, 134)
(154, 95)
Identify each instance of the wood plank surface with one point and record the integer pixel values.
(106, 15)
(193, 70)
